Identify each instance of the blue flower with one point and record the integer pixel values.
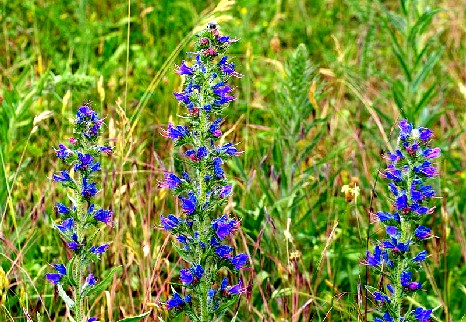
(54, 278)
(210, 294)
(183, 69)
(92, 320)
(177, 302)
(89, 189)
(63, 152)
(90, 280)
(175, 132)
(431, 153)
(422, 232)
(104, 216)
(422, 315)
(171, 181)
(225, 192)
(406, 129)
(239, 261)
(396, 246)
(218, 171)
(85, 161)
(386, 216)
(381, 297)
(66, 225)
(392, 173)
(425, 134)
(386, 318)
(170, 222)
(62, 177)
(237, 289)
(74, 245)
(224, 251)
(214, 128)
(189, 204)
(99, 249)
(406, 281)
(401, 202)
(224, 227)
(62, 209)
(421, 256)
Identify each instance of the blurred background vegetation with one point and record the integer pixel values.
(324, 83)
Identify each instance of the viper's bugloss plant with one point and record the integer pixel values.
(201, 238)
(80, 219)
(399, 257)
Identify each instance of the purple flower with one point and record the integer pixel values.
(422, 315)
(62, 177)
(106, 149)
(393, 173)
(224, 227)
(224, 251)
(182, 97)
(425, 134)
(99, 249)
(226, 190)
(92, 320)
(214, 128)
(386, 216)
(54, 278)
(66, 225)
(85, 161)
(431, 153)
(61, 209)
(406, 282)
(189, 204)
(386, 318)
(239, 261)
(406, 129)
(186, 276)
(422, 232)
(381, 297)
(183, 69)
(74, 244)
(89, 189)
(104, 216)
(401, 202)
(376, 259)
(396, 246)
(171, 181)
(237, 289)
(85, 113)
(218, 171)
(177, 302)
(175, 132)
(63, 152)
(393, 232)
(421, 256)
(90, 280)
(426, 169)
(170, 222)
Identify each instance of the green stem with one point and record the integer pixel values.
(405, 235)
(79, 300)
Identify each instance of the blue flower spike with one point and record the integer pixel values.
(410, 168)
(202, 187)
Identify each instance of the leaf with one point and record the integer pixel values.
(426, 98)
(429, 65)
(422, 23)
(103, 284)
(135, 318)
(68, 301)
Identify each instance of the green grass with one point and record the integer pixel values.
(305, 240)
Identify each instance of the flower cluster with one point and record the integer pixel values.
(79, 218)
(398, 257)
(201, 239)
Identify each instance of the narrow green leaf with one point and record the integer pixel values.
(429, 65)
(103, 284)
(135, 318)
(421, 24)
(398, 95)
(426, 98)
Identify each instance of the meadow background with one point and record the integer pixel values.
(312, 118)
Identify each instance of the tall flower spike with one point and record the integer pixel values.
(203, 187)
(409, 168)
(80, 222)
